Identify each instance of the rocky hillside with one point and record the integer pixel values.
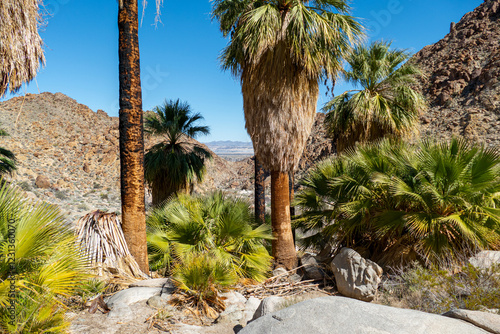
(68, 154)
(463, 78)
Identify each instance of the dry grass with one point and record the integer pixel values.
(437, 290)
(21, 47)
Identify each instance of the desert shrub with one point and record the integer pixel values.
(437, 290)
(395, 202)
(216, 225)
(39, 262)
(61, 195)
(199, 278)
(25, 185)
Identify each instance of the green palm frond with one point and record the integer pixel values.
(221, 226)
(386, 102)
(174, 163)
(438, 198)
(7, 158)
(46, 259)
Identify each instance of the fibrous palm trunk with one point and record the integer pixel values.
(283, 246)
(131, 134)
(279, 100)
(260, 193)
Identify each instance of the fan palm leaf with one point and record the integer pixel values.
(432, 199)
(385, 103)
(175, 163)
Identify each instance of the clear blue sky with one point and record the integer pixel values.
(179, 57)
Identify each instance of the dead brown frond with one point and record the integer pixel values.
(209, 305)
(103, 244)
(279, 101)
(21, 47)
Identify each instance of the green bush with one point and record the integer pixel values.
(437, 290)
(222, 227)
(395, 202)
(39, 261)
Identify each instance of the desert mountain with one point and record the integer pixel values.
(68, 154)
(463, 78)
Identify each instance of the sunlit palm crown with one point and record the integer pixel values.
(384, 104)
(280, 50)
(21, 48)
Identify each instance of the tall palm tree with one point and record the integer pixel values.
(281, 49)
(385, 104)
(131, 134)
(260, 192)
(21, 47)
(7, 158)
(175, 163)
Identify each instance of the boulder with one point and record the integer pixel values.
(42, 182)
(328, 315)
(132, 295)
(251, 307)
(355, 276)
(485, 259)
(485, 320)
(268, 305)
(311, 267)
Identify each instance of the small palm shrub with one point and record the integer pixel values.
(199, 278)
(395, 202)
(39, 262)
(207, 243)
(439, 288)
(215, 225)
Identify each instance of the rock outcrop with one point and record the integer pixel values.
(355, 276)
(463, 78)
(344, 315)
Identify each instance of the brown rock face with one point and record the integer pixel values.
(463, 78)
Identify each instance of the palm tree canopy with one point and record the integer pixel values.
(384, 104)
(21, 47)
(281, 49)
(175, 161)
(7, 158)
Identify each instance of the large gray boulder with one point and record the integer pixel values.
(332, 315)
(355, 276)
(268, 305)
(487, 321)
(132, 295)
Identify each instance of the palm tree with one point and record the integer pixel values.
(398, 202)
(132, 132)
(21, 47)
(7, 158)
(280, 49)
(385, 104)
(260, 192)
(40, 260)
(215, 225)
(172, 165)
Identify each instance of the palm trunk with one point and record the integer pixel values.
(260, 193)
(292, 208)
(131, 134)
(283, 247)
